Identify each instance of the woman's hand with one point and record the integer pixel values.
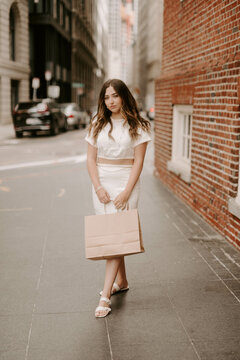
(103, 196)
(121, 200)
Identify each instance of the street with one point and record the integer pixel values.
(184, 295)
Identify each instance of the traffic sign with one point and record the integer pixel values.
(48, 75)
(35, 83)
(77, 85)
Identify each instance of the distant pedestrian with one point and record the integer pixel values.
(117, 142)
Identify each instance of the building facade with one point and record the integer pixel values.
(83, 51)
(148, 50)
(121, 38)
(89, 50)
(50, 45)
(101, 40)
(197, 125)
(114, 40)
(14, 56)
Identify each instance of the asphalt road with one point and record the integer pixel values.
(184, 295)
(41, 148)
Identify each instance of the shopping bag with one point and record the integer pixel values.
(112, 235)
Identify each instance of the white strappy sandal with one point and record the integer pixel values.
(103, 308)
(116, 289)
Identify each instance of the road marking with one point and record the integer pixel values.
(12, 142)
(20, 209)
(73, 159)
(61, 193)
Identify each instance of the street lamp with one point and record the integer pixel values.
(48, 76)
(35, 86)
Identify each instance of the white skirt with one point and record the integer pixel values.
(114, 179)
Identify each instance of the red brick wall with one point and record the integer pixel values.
(201, 67)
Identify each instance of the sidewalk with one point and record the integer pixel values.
(6, 132)
(183, 302)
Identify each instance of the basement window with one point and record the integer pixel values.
(234, 203)
(180, 163)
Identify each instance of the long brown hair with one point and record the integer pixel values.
(129, 111)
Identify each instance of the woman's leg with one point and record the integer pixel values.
(121, 279)
(112, 266)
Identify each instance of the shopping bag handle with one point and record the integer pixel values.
(111, 200)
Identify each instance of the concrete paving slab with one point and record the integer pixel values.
(17, 298)
(163, 350)
(12, 354)
(219, 349)
(205, 314)
(183, 289)
(69, 336)
(148, 297)
(129, 327)
(13, 334)
(67, 298)
(179, 261)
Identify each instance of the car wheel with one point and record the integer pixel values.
(34, 133)
(54, 128)
(84, 125)
(18, 134)
(65, 128)
(77, 126)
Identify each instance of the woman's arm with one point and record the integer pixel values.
(139, 154)
(93, 173)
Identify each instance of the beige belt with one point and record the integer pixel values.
(115, 162)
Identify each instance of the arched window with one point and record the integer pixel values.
(12, 34)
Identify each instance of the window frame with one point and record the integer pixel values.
(234, 203)
(179, 164)
(12, 35)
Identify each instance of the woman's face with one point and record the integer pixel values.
(112, 100)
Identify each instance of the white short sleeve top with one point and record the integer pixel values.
(121, 146)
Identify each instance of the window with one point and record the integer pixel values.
(14, 93)
(67, 22)
(61, 14)
(180, 162)
(12, 33)
(55, 9)
(234, 203)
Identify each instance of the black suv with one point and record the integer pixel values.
(40, 115)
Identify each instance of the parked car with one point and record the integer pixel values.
(40, 115)
(151, 113)
(75, 116)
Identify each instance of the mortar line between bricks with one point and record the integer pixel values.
(109, 340)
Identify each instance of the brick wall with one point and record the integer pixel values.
(201, 67)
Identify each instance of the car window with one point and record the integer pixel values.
(26, 105)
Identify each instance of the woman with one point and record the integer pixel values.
(117, 142)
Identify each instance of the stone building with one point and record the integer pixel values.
(197, 125)
(121, 38)
(14, 56)
(148, 50)
(89, 50)
(50, 45)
